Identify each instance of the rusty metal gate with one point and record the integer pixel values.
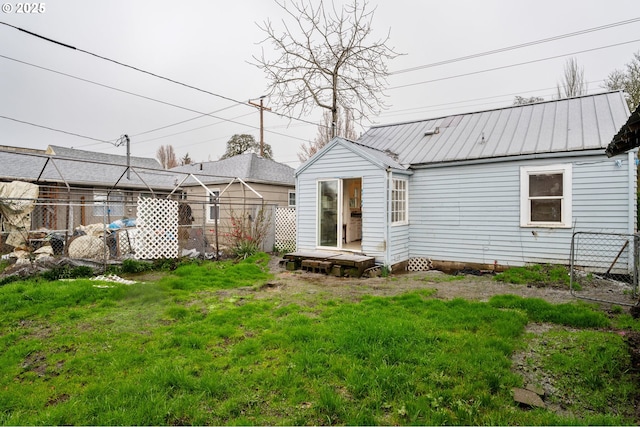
(598, 258)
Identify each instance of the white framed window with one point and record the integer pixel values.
(545, 196)
(399, 201)
(292, 198)
(213, 208)
(108, 204)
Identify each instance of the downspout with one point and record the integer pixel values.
(631, 227)
(631, 156)
(387, 231)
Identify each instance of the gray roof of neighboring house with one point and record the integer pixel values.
(81, 171)
(116, 159)
(582, 123)
(248, 167)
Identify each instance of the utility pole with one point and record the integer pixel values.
(262, 108)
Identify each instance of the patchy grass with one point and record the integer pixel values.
(579, 315)
(188, 349)
(538, 275)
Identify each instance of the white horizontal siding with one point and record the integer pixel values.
(471, 213)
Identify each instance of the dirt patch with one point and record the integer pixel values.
(471, 287)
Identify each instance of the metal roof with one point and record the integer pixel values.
(248, 167)
(574, 124)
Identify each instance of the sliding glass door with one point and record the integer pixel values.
(328, 211)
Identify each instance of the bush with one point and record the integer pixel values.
(66, 272)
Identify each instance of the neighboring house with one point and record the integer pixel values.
(241, 187)
(78, 187)
(502, 187)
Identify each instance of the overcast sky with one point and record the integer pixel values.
(209, 45)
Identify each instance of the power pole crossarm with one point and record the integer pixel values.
(262, 108)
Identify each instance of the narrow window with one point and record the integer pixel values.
(292, 198)
(399, 198)
(109, 205)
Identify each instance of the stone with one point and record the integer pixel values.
(536, 389)
(527, 398)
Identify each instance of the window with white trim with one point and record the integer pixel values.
(213, 208)
(108, 204)
(545, 196)
(292, 198)
(399, 201)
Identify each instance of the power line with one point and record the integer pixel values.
(187, 120)
(511, 65)
(104, 58)
(54, 129)
(201, 114)
(537, 91)
(518, 46)
(117, 89)
(187, 130)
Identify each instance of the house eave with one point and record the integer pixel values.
(504, 159)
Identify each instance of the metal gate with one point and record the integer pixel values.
(605, 257)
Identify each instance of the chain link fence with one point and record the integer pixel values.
(597, 258)
(110, 226)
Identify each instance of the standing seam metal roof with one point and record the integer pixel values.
(574, 124)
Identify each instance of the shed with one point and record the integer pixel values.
(501, 187)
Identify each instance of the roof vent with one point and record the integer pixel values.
(432, 131)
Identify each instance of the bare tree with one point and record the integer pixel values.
(166, 155)
(325, 59)
(573, 83)
(627, 80)
(521, 100)
(344, 127)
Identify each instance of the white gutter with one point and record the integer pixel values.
(520, 157)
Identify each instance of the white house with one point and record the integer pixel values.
(500, 187)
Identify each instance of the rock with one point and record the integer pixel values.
(527, 398)
(536, 389)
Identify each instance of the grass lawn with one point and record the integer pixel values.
(177, 351)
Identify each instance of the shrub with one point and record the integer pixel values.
(247, 233)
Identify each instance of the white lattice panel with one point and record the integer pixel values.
(419, 264)
(285, 229)
(157, 226)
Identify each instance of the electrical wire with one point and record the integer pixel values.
(54, 129)
(518, 46)
(104, 58)
(201, 114)
(115, 88)
(425, 108)
(512, 65)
